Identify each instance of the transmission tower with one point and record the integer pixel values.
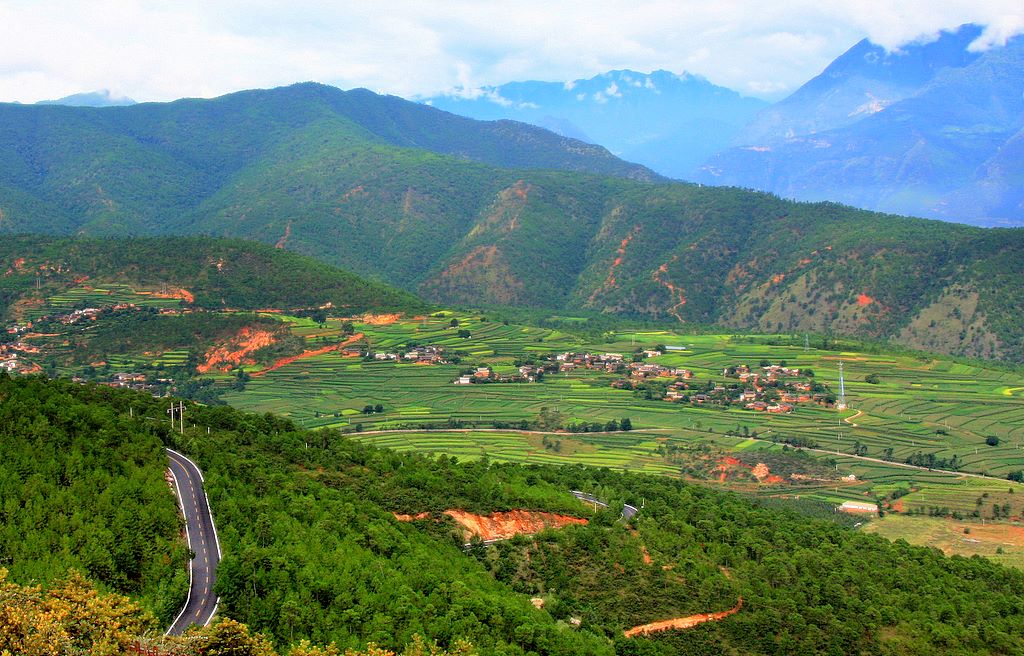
(842, 389)
(807, 343)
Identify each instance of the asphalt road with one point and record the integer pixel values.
(627, 510)
(201, 604)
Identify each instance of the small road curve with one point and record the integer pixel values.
(627, 510)
(201, 604)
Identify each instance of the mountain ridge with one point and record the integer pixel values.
(289, 168)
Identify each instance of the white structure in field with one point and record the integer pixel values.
(842, 389)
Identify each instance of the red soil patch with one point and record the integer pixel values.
(284, 238)
(380, 319)
(172, 292)
(864, 299)
(610, 281)
(683, 622)
(675, 292)
(236, 350)
(759, 471)
(520, 189)
(777, 278)
(308, 354)
(1002, 533)
(504, 525)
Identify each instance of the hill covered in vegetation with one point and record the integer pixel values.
(425, 200)
(201, 272)
(312, 550)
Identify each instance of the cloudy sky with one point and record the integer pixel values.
(163, 50)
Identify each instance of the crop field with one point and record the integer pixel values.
(1002, 542)
(918, 405)
(99, 296)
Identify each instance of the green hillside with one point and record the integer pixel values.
(194, 271)
(313, 551)
(425, 200)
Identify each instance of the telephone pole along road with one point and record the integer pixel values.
(201, 534)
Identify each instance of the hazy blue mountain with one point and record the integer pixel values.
(932, 130)
(102, 98)
(670, 123)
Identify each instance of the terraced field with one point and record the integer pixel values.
(919, 405)
(99, 296)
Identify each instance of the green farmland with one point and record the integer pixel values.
(918, 405)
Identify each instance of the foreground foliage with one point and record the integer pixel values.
(312, 552)
(82, 486)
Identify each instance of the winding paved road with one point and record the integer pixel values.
(627, 510)
(201, 604)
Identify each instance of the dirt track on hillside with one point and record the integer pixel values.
(687, 622)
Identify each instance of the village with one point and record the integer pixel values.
(771, 388)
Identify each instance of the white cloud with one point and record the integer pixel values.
(159, 51)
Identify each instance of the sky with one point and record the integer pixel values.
(163, 50)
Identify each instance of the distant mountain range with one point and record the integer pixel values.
(503, 213)
(103, 98)
(670, 123)
(932, 129)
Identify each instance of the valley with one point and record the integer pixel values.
(621, 363)
(922, 435)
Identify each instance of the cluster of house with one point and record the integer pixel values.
(431, 354)
(11, 364)
(10, 360)
(616, 363)
(84, 314)
(130, 380)
(772, 389)
(604, 361)
(525, 374)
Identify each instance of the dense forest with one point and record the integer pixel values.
(313, 552)
(82, 486)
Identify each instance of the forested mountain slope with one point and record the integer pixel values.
(141, 169)
(202, 272)
(349, 179)
(312, 549)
